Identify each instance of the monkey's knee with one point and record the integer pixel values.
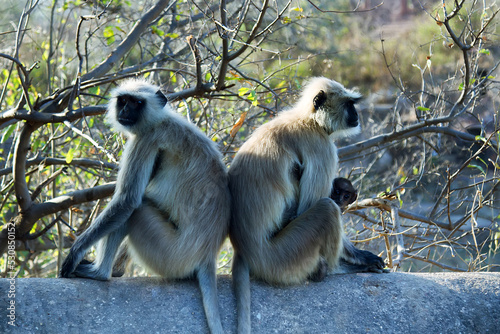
(327, 211)
(327, 206)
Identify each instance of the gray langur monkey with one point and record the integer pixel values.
(343, 193)
(285, 228)
(172, 200)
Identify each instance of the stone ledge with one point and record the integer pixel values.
(360, 303)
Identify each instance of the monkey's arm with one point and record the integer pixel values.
(135, 170)
(313, 185)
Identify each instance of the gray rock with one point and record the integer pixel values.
(362, 303)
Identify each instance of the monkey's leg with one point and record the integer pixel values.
(207, 280)
(122, 260)
(106, 251)
(297, 250)
(111, 219)
(241, 286)
(162, 247)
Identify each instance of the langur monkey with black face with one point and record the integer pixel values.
(172, 199)
(343, 193)
(285, 228)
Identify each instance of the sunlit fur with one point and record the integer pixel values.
(284, 226)
(172, 201)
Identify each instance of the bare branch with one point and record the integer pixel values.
(78, 162)
(344, 11)
(46, 118)
(25, 220)
(411, 131)
(130, 41)
(435, 263)
(21, 149)
(386, 205)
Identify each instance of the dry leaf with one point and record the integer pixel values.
(238, 125)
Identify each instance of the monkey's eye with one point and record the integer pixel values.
(346, 196)
(337, 191)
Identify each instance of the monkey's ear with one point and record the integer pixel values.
(319, 100)
(163, 99)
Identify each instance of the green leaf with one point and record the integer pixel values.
(157, 31)
(423, 109)
(8, 133)
(69, 156)
(252, 96)
(109, 34)
(478, 167)
(242, 91)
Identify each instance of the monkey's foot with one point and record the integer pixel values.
(89, 270)
(363, 261)
(67, 267)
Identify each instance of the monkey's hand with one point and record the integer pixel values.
(68, 266)
(74, 258)
(372, 262)
(362, 261)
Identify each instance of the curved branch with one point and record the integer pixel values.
(44, 118)
(66, 201)
(25, 220)
(234, 54)
(130, 41)
(344, 11)
(18, 63)
(78, 162)
(228, 56)
(386, 205)
(411, 131)
(21, 149)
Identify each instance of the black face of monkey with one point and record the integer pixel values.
(352, 114)
(343, 193)
(130, 109)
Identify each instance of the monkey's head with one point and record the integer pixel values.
(343, 193)
(134, 105)
(332, 106)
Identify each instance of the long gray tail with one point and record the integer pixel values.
(241, 285)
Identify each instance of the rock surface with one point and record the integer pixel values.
(361, 303)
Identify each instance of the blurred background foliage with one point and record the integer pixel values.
(426, 164)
